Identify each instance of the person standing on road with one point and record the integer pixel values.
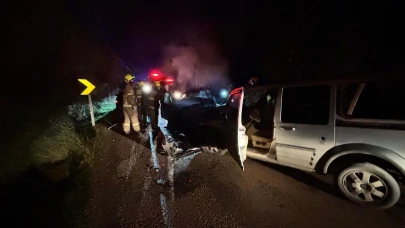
(149, 105)
(159, 97)
(166, 101)
(155, 105)
(158, 104)
(138, 92)
(129, 106)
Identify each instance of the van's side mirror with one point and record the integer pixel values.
(255, 116)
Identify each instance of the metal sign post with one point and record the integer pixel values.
(89, 88)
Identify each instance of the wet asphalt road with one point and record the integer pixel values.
(212, 191)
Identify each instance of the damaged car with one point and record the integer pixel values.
(192, 108)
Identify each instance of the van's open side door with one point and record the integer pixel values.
(236, 137)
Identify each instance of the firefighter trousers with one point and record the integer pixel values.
(130, 118)
(151, 112)
(140, 113)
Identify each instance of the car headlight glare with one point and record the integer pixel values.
(224, 93)
(177, 95)
(147, 88)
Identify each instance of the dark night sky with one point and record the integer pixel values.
(48, 45)
(272, 39)
(138, 30)
(276, 40)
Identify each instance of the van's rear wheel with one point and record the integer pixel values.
(369, 185)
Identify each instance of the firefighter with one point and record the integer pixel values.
(150, 107)
(160, 96)
(156, 104)
(129, 106)
(166, 94)
(138, 92)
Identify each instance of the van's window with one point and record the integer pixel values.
(347, 95)
(234, 100)
(306, 105)
(232, 106)
(252, 97)
(378, 100)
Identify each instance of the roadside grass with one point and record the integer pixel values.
(46, 167)
(54, 140)
(45, 143)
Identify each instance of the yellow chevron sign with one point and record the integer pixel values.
(90, 87)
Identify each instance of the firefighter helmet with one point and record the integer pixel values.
(129, 77)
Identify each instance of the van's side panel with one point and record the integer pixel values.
(390, 139)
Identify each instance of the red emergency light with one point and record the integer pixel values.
(169, 81)
(155, 75)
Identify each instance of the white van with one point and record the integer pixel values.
(355, 130)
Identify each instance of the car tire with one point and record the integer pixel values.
(213, 150)
(369, 185)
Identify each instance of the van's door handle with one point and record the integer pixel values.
(285, 128)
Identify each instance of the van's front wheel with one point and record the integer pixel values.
(369, 185)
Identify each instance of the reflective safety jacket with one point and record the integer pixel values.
(129, 96)
(160, 94)
(148, 99)
(138, 93)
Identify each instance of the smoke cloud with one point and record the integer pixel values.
(197, 64)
